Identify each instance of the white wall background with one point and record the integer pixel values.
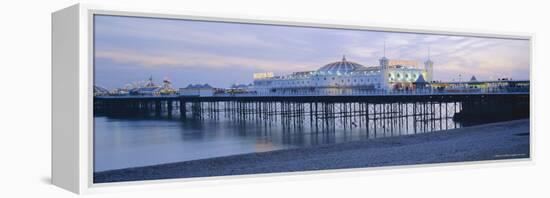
(25, 100)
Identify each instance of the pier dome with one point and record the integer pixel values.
(342, 66)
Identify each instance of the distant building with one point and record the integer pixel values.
(197, 90)
(142, 88)
(148, 89)
(345, 76)
(144, 91)
(420, 83)
(166, 88)
(263, 75)
(473, 79)
(120, 92)
(100, 91)
(240, 89)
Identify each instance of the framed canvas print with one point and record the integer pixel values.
(148, 96)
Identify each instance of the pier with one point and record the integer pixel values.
(424, 112)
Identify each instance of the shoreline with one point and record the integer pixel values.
(494, 141)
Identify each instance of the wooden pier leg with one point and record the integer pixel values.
(182, 109)
(367, 118)
(414, 116)
(441, 114)
(391, 119)
(158, 108)
(169, 108)
(407, 117)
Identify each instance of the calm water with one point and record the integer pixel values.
(123, 142)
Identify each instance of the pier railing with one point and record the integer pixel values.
(349, 92)
(380, 92)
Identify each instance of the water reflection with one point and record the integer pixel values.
(149, 139)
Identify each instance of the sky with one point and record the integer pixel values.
(131, 49)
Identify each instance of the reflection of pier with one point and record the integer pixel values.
(390, 113)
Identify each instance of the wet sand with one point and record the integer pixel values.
(503, 140)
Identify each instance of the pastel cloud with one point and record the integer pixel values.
(201, 60)
(147, 45)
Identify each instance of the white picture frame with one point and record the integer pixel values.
(72, 87)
